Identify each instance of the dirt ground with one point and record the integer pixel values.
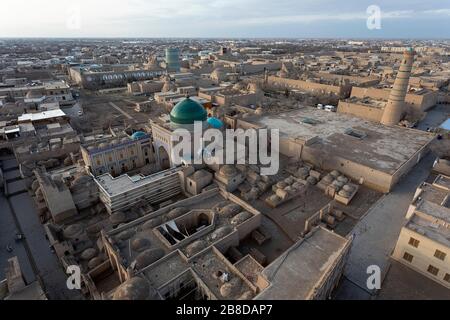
(113, 110)
(292, 215)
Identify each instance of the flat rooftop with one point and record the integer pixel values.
(431, 229)
(442, 182)
(41, 115)
(435, 211)
(296, 273)
(383, 148)
(166, 269)
(433, 194)
(370, 102)
(124, 183)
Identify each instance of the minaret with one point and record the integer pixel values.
(394, 107)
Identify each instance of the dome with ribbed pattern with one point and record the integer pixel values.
(187, 112)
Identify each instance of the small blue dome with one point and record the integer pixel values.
(215, 123)
(138, 135)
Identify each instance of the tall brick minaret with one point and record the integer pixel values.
(395, 106)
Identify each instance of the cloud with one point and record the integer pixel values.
(159, 18)
(438, 12)
(311, 18)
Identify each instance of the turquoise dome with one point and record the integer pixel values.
(187, 112)
(215, 123)
(138, 135)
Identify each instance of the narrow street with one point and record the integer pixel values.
(18, 215)
(375, 236)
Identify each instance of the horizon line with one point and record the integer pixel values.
(220, 38)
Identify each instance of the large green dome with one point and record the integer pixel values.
(187, 112)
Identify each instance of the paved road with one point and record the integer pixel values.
(112, 104)
(9, 228)
(35, 256)
(377, 233)
(47, 264)
(435, 117)
(8, 231)
(73, 111)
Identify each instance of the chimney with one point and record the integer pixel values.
(394, 107)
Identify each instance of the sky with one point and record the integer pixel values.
(226, 18)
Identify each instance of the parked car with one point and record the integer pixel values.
(330, 108)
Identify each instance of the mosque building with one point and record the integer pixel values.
(183, 116)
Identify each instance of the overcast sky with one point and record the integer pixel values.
(223, 18)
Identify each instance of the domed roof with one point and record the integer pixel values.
(88, 254)
(118, 217)
(140, 244)
(138, 135)
(72, 231)
(221, 233)
(83, 179)
(187, 112)
(148, 257)
(228, 171)
(215, 123)
(133, 289)
(196, 247)
(94, 262)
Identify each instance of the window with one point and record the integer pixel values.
(355, 133)
(310, 121)
(414, 242)
(408, 257)
(433, 270)
(440, 255)
(447, 277)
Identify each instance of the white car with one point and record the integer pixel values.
(330, 108)
(80, 113)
